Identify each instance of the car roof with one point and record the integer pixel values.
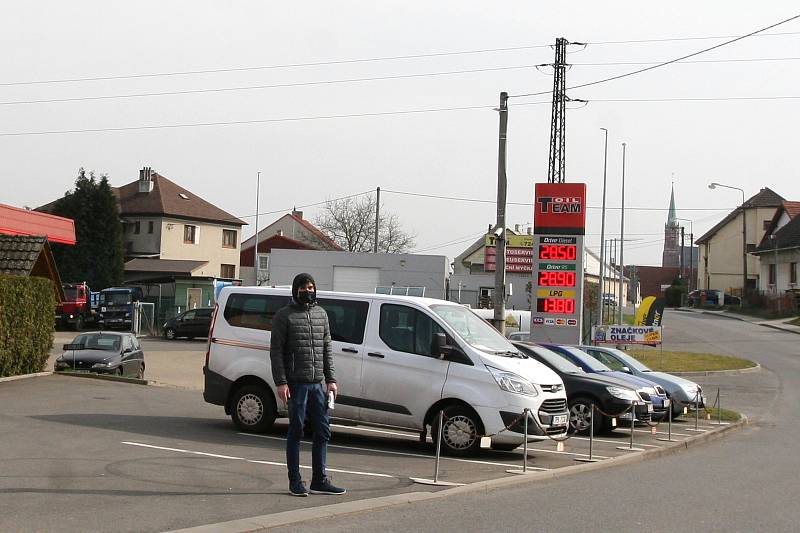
(337, 294)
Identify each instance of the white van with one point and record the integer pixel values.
(399, 360)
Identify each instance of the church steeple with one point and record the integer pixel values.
(672, 217)
(670, 257)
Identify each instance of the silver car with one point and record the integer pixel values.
(682, 392)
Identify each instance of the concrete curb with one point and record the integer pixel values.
(24, 376)
(719, 372)
(102, 377)
(259, 523)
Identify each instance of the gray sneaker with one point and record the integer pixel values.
(298, 489)
(325, 487)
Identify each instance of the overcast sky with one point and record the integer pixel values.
(749, 142)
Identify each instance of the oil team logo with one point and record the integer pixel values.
(560, 208)
(560, 204)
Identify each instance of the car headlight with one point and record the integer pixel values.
(511, 382)
(623, 393)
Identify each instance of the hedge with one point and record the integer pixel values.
(27, 311)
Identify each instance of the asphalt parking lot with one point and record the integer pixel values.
(85, 454)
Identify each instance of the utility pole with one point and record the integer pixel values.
(500, 228)
(683, 267)
(255, 250)
(555, 172)
(377, 217)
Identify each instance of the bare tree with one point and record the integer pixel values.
(351, 223)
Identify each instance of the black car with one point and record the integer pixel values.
(190, 324)
(610, 395)
(103, 352)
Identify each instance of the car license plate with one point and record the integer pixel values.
(559, 420)
(649, 407)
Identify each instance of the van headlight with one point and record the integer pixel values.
(623, 393)
(511, 382)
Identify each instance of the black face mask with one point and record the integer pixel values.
(306, 297)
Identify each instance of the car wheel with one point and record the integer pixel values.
(580, 416)
(140, 373)
(169, 334)
(253, 409)
(461, 431)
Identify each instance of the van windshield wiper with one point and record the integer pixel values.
(510, 353)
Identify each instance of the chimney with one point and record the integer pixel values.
(146, 180)
(516, 228)
(296, 213)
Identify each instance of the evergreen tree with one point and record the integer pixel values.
(97, 256)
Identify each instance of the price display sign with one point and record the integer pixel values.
(559, 226)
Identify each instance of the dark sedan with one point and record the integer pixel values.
(103, 352)
(610, 395)
(190, 324)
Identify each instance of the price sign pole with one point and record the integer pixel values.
(557, 285)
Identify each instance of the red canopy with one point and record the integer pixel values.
(16, 221)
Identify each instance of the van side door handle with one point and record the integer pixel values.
(350, 350)
(376, 354)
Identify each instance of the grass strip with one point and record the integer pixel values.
(672, 361)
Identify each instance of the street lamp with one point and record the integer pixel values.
(600, 284)
(714, 185)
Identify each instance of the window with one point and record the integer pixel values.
(189, 234)
(793, 273)
(347, 319)
(253, 311)
(137, 226)
(407, 330)
(228, 238)
(227, 271)
(606, 359)
(766, 224)
(203, 313)
(772, 274)
(189, 315)
(150, 226)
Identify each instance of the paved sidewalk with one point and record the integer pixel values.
(781, 323)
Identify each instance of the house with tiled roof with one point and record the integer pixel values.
(289, 232)
(779, 252)
(721, 249)
(169, 229)
(29, 255)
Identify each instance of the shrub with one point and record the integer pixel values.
(27, 310)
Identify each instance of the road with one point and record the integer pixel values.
(744, 482)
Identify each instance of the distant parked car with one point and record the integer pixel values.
(609, 299)
(682, 392)
(608, 394)
(192, 323)
(699, 297)
(103, 352)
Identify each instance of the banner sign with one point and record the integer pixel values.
(512, 241)
(624, 334)
(517, 259)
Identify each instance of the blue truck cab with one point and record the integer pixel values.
(117, 307)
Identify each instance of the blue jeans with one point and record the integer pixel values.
(308, 401)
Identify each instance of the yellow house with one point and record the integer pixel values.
(723, 247)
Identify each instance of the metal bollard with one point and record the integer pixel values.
(435, 480)
(591, 441)
(633, 418)
(669, 423)
(696, 413)
(524, 469)
(719, 421)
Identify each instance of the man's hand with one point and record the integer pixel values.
(283, 393)
(334, 389)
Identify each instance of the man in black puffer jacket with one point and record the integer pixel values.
(300, 353)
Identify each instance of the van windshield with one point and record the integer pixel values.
(474, 330)
(115, 298)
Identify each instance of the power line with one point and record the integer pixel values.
(269, 86)
(290, 209)
(358, 60)
(631, 63)
(665, 63)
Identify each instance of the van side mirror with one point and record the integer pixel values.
(626, 369)
(439, 346)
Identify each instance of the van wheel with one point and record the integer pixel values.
(252, 409)
(461, 430)
(169, 334)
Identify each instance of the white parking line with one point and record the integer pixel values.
(379, 431)
(406, 454)
(620, 442)
(566, 453)
(255, 461)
